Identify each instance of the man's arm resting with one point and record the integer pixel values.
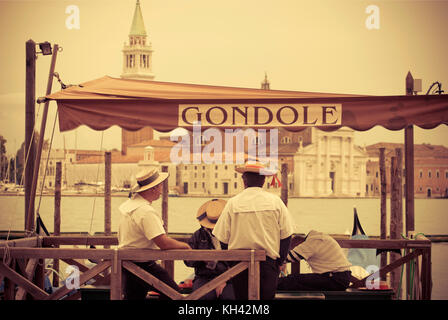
(166, 243)
(284, 249)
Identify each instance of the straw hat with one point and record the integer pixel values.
(209, 212)
(149, 178)
(255, 167)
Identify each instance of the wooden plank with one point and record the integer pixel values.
(21, 281)
(79, 240)
(60, 253)
(10, 287)
(213, 284)
(384, 244)
(99, 279)
(116, 279)
(25, 242)
(222, 255)
(253, 279)
(383, 271)
(86, 276)
(74, 296)
(29, 272)
(153, 281)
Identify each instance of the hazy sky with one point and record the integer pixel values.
(321, 46)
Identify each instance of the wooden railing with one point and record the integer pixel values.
(21, 264)
(116, 259)
(413, 250)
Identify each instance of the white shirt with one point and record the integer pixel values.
(322, 253)
(139, 224)
(254, 219)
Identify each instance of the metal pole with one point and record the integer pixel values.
(30, 213)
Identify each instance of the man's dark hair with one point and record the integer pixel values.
(252, 179)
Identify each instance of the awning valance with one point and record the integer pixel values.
(134, 104)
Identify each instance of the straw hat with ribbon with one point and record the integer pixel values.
(148, 179)
(258, 167)
(209, 212)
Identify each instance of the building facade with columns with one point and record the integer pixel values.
(331, 165)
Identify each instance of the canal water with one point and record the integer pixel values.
(335, 216)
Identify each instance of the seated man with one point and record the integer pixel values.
(141, 227)
(203, 239)
(330, 267)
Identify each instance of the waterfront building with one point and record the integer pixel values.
(323, 163)
(430, 169)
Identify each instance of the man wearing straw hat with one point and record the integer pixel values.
(141, 227)
(203, 239)
(256, 219)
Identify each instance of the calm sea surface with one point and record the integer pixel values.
(86, 214)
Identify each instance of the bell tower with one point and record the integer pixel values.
(137, 54)
(137, 64)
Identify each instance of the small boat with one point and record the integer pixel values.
(357, 256)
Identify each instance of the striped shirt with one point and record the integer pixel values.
(321, 252)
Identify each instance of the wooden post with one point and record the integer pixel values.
(409, 178)
(253, 278)
(426, 275)
(167, 264)
(383, 220)
(30, 148)
(9, 286)
(409, 163)
(116, 286)
(107, 194)
(165, 200)
(396, 212)
(36, 161)
(284, 191)
(57, 217)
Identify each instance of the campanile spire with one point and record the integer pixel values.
(137, 54)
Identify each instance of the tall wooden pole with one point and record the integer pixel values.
(30, 212)
(409, 163)
(396, 211)
(383, 220)
(57, 217)
(30, 149)
(107, 194)
(284, 191)
(167, 264)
